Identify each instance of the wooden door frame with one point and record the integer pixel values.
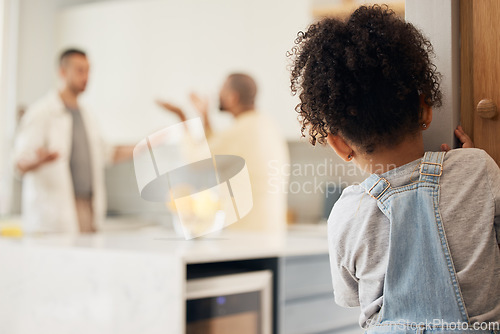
(467, 107)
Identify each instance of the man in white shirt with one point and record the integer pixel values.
(62, 157)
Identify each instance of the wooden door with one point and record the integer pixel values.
(480, 73)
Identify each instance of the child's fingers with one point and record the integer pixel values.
(460, 135)
(445, 147)
(463, 137)
(460, 132)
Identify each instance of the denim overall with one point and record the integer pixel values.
(421, 292)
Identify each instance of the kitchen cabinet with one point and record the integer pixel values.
(480, 73)
(135, 281)
(303, 295)
(307, 299)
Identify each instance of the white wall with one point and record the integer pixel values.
(36, 60)
(143, 50)
(439, 21)
(8, 62)
(3, 153)
(118, 33)
(37, 49)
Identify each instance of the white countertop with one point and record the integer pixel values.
(227, 246)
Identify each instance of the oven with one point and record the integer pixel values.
(228, 304)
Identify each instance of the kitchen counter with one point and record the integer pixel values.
(121, 281)
(227, 246)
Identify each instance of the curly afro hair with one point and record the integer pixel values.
(363, 78)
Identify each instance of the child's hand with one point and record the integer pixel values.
(463, 137)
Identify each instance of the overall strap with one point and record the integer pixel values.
(375, 186)
(431, 167)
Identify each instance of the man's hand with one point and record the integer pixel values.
(201, 104)
(174, 109)
(43, 156)
(463, 137)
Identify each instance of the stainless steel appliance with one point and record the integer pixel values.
(228, 304)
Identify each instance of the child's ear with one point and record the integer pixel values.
(425, 114)
(339, 145)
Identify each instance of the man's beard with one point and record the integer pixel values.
(222, 107)
(78, 89)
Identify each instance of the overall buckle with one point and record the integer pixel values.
(383, 191)
(433, 164)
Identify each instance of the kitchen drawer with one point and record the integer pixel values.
(319, 315)
(305, 276)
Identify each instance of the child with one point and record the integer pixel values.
(416, 244)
